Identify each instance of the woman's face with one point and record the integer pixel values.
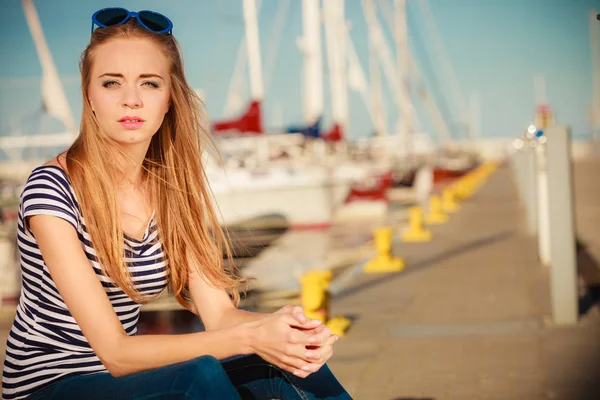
(129, 90)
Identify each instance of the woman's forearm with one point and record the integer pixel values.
(233, 317)
(140, 353)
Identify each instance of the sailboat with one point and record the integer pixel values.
(15, 169)
(306, 186)
(54, 103)
(410, 148)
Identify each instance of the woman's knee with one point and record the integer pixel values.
(206, 378)
(204, 366)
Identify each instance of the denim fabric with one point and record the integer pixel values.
(206, 378)
(256, 379)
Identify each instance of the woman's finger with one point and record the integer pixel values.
(287, 309)
(296, 311)
(320, 355)
(320, 338)
(298, 314)
(315, 331)
(297, 361)
(290, 320)
(332, 339)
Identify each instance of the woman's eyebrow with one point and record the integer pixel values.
(118, 75)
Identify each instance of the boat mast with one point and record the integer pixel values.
(53, 94)
(595, 51)
(253, 50)
(335, 39)
(437, 118)
(275, 35)
(313, 73)
(449, 75)
(376, 93)
(387, 62)
(403, 67)
(234, 101)
(357, 80)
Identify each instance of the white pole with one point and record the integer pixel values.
(253, 50)
(341, 30)
(543, 205)
(311, 46)
(539, 87)
(53, 93)
(595, 48)
(335, 41)
(255, 70)
(403, 65)
(563, 270)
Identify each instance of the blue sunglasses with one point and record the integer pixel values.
(150, 20)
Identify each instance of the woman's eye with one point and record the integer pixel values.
(108, 84)
(151, 84)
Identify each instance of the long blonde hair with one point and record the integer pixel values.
(187, 223)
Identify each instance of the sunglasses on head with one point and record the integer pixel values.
(150, 20)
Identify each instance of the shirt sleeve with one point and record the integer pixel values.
(47, 192)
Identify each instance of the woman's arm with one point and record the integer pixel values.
(122, 354)
(217, 311)
(214, 306)
(85, 298)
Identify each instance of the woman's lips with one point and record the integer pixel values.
(131, 122)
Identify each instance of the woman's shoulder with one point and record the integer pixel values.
(59, 162)
(53, 176)
(56, 166)
(48, 191)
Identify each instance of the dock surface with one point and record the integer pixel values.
(469, 317)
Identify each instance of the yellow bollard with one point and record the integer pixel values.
(465, 187)
(449, 204)
(339, 325)
(416, 232)
(457, 189)
(383, 261)
(436, 214)
(315, 300)
(315, 294)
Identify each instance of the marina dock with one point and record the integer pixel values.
(470, 315)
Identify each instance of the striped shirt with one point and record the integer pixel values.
(45, 343)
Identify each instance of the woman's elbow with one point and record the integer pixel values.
(114, 367)
(112, 359)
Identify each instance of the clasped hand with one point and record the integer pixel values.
(292, 342)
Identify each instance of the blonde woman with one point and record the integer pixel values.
(121, 215)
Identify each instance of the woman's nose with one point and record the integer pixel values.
(131, 98)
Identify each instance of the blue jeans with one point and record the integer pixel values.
(206, 378)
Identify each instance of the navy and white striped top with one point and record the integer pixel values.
(45, 343)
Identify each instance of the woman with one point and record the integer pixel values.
(123, 213)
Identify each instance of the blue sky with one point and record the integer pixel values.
(495, 47)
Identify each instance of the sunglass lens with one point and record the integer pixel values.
(154, 21)
(112, 16)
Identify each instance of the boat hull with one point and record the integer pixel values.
(303, 206)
